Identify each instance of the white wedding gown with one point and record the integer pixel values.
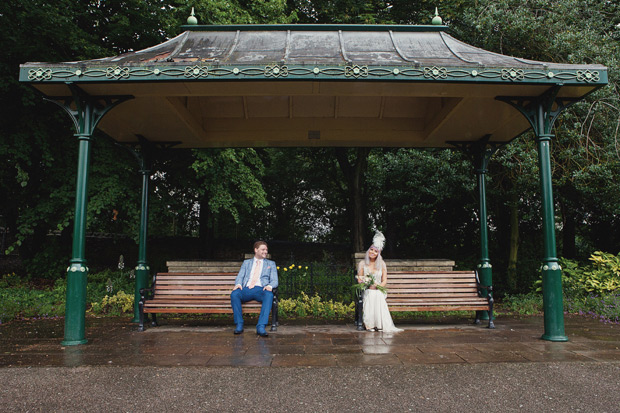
(375, 310)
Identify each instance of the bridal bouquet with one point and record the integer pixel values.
(369, 280)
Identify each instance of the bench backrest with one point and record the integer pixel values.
(431, 286)
(212, 286)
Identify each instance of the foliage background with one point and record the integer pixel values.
(425, 201)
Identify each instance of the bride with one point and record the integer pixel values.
(375, 309)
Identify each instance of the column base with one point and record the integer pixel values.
(550, 337)
(73, 342)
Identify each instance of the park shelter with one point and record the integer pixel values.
(314, 85)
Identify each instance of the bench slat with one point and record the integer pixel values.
(434, 291)
(427, 289)
(194, 305)
(435, 302)
(198, 288)
(199, 310)
(194, 293)
(441, 308)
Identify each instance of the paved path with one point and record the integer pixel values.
(438, 365)
(526, 387)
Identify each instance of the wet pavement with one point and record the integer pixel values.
(116, 342)
(437, 365)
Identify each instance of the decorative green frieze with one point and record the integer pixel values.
(283, 71)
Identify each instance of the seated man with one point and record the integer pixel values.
(256, 280)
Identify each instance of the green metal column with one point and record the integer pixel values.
(480, 153)
(485, 269)
(541, 112)
(86, 112)
(142, 269)
(75, 307)
(553, 301)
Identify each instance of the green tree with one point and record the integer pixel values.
(424, 200)
(584, 152)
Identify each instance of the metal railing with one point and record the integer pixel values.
(330, 282)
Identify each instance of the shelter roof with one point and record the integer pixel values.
(314, 85)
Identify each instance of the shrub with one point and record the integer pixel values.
(604, 275)
(304, 306)
(18, 300)
(523, 304)
(605, 308)
(105, 290)
(601, 276)
(108, 282)
(117, 304)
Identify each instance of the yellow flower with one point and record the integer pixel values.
(306, 267)
(277, 268)
(299, 267)
(292, 266)
(285, 269)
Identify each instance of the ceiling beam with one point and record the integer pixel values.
(442, 116)
(179, 107)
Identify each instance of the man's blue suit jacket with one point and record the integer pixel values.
(269, 275)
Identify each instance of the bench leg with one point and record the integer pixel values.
(359, 310)
(154, 322)
(491, 324)
(274, 313)
(477, 319)
(141, 310)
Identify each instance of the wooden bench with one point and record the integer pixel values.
(435, 291)
(206, 293)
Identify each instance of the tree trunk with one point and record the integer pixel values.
(514, 243)
(569, 247)
(205, 230)
(353, 172)
(567, 207)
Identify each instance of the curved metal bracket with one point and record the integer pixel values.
(480, 151)
(85, 110)
(144, 155)
(540, 111)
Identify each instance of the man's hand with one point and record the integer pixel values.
(268, 288)
(237, 287)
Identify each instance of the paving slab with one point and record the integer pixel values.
(179, 342)
(198, 365)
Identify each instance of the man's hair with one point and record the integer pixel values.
(259, 243)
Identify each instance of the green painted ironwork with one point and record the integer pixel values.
(144, 156)
(480, 153)
(540, 112)
(86, 112)
(174, 71)
(316, 27)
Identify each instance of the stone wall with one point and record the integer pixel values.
(438, 264)
(233, 266)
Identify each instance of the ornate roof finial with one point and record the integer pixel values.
(192, 19)
(437, 21)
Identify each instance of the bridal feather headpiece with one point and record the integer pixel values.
(378, 241)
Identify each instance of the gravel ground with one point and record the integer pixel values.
(487, 387)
